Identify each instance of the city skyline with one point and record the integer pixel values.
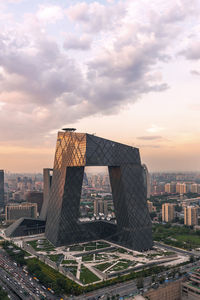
(125, 70)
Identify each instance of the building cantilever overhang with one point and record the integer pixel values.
(74, 151)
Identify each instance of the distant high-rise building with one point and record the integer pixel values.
(47, 179)
(147, 180)
(2, 189)
(35, 197)
(191, 215)
(85, 179)
(194, 188)
(14, 212)
(170, 188)
(181, 188)
(168, 212)
(100, 206)
(150, 206)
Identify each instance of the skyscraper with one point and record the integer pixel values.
(35, 197)
(74, 151)
(100, 206)
(47, 178)
(2, 189)
(168, 212)
(147, 180)
(191, 215)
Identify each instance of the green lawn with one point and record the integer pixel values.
(88, 257)
(72, 269)
(101, 245)
(182, 237)
(45, 246)
(90, 248)
(121, 250)
(104, 266)
(56, 258)
(76, 248)
(122, 265)
(86, 276)
(101, 256)
(69, 262)
(194, 239)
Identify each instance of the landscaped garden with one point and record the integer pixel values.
(178, 236)
(86, 276)
(122, 265)
(69, 262)
(41, 245)
(104, 266)
(89, 246)
(56, 257)
(72, 269)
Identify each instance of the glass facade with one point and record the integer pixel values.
(2, 189)
(74, 151)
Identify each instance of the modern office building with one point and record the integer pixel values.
(147, 180)
(190, 215)
(190, 289)
(35, 197)
(15, 212)
(2, 204)
(75, 151)
(47, 179)
(168, 212)
(100, 207)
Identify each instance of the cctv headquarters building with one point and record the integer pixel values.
(63, 185)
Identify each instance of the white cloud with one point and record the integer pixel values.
(42, 87)
(95, 17)
(78, 43)
(50, 13)
(154, 129)
(192, 52)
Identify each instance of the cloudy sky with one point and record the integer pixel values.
(126, 70)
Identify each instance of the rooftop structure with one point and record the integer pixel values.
(191, 288)
(15, 211)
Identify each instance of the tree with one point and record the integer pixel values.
(61, 283)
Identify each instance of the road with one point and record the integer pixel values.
(129, 287)
(20, 283)
(11, 294)
(182, 251)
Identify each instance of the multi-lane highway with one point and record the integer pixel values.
(19, 283)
